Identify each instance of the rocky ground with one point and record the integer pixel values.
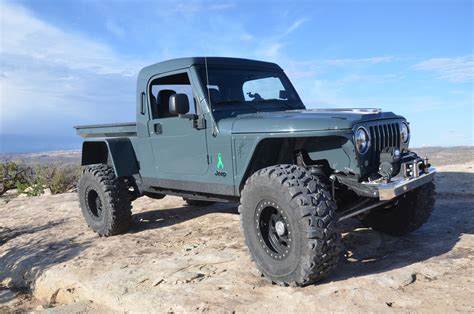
(192, 259)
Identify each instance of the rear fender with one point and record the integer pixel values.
(117, 152)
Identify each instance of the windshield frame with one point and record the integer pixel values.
(249, 106)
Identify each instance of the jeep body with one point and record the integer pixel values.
(204, 126)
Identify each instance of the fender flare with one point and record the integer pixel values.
(343, 150)
(117, 152)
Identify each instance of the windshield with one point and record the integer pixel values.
(234, 91)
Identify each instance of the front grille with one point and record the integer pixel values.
(384, 135)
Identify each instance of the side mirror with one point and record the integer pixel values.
(178, 104)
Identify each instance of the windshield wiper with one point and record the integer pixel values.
(287, 106)
(236, 101)
(230, 101)
(275, 101)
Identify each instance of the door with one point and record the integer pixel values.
(179, 148)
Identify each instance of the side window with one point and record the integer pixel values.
(161, 90)
(264, 88)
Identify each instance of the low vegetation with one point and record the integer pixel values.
(35, 180)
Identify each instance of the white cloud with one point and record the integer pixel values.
(369, 78)
(359, 61)
(294, 26)
(457, 70)
(270, 52)
(24, 35)
(269, 48)
(115, 29)
(308, 68)
(354, 71)
(191, 8)
(51, 79)
(222, 6)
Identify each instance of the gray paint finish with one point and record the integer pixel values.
(217, 159)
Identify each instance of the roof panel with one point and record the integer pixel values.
(182, 63)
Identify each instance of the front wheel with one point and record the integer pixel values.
(288, 221)
(410, 212)
(104, 200)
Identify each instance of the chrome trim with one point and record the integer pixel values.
(356, 110)
(384, 134)
(408, 128)
(390, 190)
(355, 140)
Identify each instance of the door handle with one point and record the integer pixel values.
(157, 128)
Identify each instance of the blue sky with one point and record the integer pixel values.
(64, 63)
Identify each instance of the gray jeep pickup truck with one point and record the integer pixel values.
(235, 130)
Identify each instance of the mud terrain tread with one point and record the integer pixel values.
(412, 211)
(115, 195)
(315, 208)
(318, 172)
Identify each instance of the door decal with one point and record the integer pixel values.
(220, 167)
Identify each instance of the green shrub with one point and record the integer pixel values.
(33, 181)
(64, 179)
(30, 189)
(12, 174)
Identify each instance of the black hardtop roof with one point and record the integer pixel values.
(182, 63)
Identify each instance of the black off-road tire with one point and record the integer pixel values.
(104, 200)
(192, 202)
(318, 172)
(305, 207)
(409, 213)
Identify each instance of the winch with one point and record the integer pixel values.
(389, 162)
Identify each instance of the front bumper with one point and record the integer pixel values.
(394, 188)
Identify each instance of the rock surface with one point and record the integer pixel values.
(192, 259)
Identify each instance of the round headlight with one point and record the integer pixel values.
(404, 132)
(362, 140)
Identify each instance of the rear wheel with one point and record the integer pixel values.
(410, 212)
(104, 200)
(288, 221)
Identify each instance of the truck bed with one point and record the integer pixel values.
(107, 130)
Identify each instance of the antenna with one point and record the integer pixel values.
(216, 130)
(207, 85)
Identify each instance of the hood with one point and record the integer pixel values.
(301, 120)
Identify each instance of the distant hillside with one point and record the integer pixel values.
(440, 156)
(63, 156)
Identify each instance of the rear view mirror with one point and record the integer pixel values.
(283, 94)
(178, 104)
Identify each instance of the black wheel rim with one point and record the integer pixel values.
(94, 203)
(273, 229)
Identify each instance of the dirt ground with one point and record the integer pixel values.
(192, 259)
